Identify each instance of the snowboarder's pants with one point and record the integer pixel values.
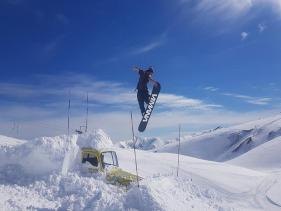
(143, 97)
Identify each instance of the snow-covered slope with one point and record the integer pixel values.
(37, 175)
(265, 156)
(227, 143)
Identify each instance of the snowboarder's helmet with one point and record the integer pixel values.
(149, 70)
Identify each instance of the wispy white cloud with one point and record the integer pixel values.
(228, 9)
(261, 27)
(245, 98)
(107, 93)
(211, 88)
(250, 99)
(244, 35)
(147, 48)
(142, 49)
(156, 43)
(232, 10)
(176, 101)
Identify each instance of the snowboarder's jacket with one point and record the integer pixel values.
(143, 80)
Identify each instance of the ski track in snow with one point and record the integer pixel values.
(43, 174)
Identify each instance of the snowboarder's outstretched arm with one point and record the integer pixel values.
(136, 69)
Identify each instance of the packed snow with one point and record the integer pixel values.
(235, 168)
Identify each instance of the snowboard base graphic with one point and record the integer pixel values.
(150, 106)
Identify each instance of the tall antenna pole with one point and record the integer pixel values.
(18, 127)
(135, 149)
(68, 114)
(15, 128)
(86, 129)
(179, 150)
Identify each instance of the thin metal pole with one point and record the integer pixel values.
(68, 114)
(87, 114)
(135, 149)
(179, 150)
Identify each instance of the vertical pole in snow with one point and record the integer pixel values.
(68, 113)
(179, 150)
(67, 157)
(135, 149)
(86, 129)
(18, 127)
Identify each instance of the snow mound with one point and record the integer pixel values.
(38, 157)
(57, 192)
(45, 155)
(22, 198)
(173, 193)
(98, 140)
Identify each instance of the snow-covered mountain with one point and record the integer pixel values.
(39, 174)
(144, 143)
(227, 143)
(155, 143)
(266, 156)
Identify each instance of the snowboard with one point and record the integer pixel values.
(150, 106)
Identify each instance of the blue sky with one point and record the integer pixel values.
(218, 63)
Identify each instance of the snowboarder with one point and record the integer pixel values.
(144, 78)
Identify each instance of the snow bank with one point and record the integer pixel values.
(56, 192)
(76, 192)
(37, 157)
(173, 193)
(44, 155)
(22, 198)
(30, 174)
(98, 140)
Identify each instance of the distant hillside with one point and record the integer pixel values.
(145, 143)
(265, 156)
(228, 143)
